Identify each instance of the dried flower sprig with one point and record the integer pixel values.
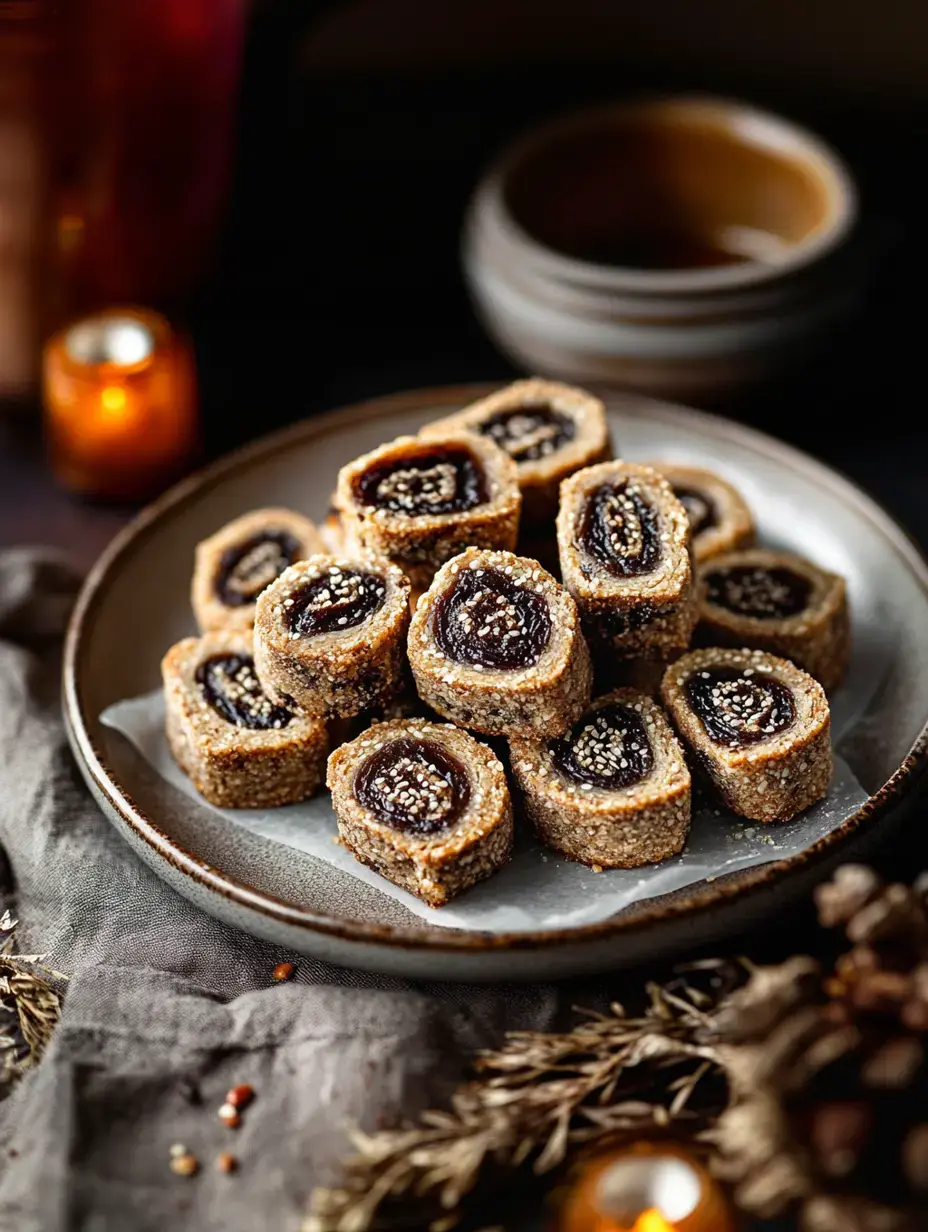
(29, 1007)
(827, 1070)
(613, 1077)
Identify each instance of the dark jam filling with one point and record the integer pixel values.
(739, 706)
(413, 786)
(340, 600)
(529, 432)
(609, 749)
(700, 509)
(764, 594)
(619, 529)
(230, 686)
(248, 568)
(618, 624)
(489, 620)
(435, 481)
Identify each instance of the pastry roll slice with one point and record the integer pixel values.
(548, 429)
(720, 519)
(239, 748)
(419, 502)
(423, 804)
(778, 602)
(330, 635)
(623, 539)
(235, 564)
(495, 645)
(614, 791)
(758, 725)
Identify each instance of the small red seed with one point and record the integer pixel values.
(283, 971)
(229, 1116)
(226, 1162)
(240, 1096)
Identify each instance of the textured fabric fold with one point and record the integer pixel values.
(167, 1008)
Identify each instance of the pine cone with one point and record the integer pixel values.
(827, 1070)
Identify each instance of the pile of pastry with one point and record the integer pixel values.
(497, 613)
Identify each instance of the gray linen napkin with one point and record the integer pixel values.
(166, 1007)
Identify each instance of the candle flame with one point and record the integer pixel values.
(652, 1220)
(113, 402)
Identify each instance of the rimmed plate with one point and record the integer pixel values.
(135, 603)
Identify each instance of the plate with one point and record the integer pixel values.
(135, 603)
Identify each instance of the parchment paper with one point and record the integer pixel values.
(538, 889)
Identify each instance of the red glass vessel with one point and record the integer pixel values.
(141, 116)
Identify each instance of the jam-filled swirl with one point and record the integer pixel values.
(338, 601)
(740, 707)
(760, 592)
(413, 785)
(434, 481)
(529, 432)
(488, 619)
(248, 567)
(620, 529)
(230, 686)
(609, 749)
(699, 506)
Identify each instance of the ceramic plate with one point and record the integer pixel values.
(136, 603)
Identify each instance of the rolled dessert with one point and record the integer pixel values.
(330, 635)
(548, 429)
(419, 502)
(235, 564)
(779, 602)
(423, 804)
(758, 725)
(614, 791)
(240, 749)
(495, 645)
(623, 539)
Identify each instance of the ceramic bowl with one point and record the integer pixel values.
(685, 247)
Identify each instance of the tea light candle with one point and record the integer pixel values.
(120, 403)
(648, 1188)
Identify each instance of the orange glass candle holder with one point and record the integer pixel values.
(120, 404)
(647, 1188)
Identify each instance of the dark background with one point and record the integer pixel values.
(337, 277)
